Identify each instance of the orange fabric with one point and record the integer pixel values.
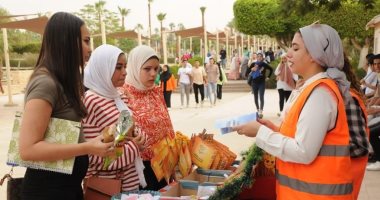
(171, 84)
(362, 106)
(358, 165)
(324, 169)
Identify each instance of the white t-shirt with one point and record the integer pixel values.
(184, 76)
(371, 79)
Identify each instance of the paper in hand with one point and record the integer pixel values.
(225, 125)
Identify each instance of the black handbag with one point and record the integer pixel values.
(250, 79)
(14, 186)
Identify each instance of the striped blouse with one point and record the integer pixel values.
(103, 112)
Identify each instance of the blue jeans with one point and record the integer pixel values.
(212, 92)
(185, 90)
(223, 63)
(259, 89)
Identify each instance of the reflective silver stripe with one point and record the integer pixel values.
(334, 150)
(314, 188)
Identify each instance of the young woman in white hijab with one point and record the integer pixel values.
(312, 144)
(105, 72)
(147, 103)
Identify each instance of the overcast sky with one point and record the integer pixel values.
(218, 12)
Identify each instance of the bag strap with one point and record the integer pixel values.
(7, 176)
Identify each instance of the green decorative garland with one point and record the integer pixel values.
(232, 188)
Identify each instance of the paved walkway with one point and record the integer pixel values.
(188, 121)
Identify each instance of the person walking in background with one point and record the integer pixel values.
(285, 81)
(369, 81)
(103, 75)
(55, 89)
(184, 80)
(212, 78)
(221, 80)
(259, 77)
(244, 66)
(148, 107)
(314, 134)
(199, 78)
(269, 55)
(223, 57)
(168, 84)
(234, 72)
(252, 59)
(278, 52)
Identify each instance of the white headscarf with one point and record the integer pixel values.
(99, 71)
(137, 57)
(98, 77)
(325, 47)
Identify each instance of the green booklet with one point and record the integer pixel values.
(59, 131)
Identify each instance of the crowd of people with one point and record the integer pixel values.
(325, 111)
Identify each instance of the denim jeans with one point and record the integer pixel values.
(258, 89)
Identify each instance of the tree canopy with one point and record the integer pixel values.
(282, 18)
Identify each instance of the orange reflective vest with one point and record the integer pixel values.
(362, 107)
(171, 84)
(328, 176)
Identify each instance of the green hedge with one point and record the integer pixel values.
(174, 70)
(196, 58)
(272, 82)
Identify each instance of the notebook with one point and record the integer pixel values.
(59, 131)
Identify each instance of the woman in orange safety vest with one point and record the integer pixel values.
(312, 143)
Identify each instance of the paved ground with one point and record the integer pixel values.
(189, 120)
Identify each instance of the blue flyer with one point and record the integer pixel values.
(225, 125)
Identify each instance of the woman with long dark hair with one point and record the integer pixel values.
(357, 124)
(55, 89)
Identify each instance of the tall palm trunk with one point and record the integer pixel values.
(150, 24)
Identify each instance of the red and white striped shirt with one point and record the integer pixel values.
(102, 112)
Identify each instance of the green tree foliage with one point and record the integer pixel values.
(349, 19)
(282, 18)
(20, 41)
(124, 13)
(264, 17)
(26, 48)
(90, 14)
(126, 44)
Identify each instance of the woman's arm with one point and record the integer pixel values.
(278, 70)
(313, 123)
(268, 67)
(34, 123)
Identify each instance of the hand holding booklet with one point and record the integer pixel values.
(225, 125)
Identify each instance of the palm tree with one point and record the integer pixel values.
(99, 7)
(150, 21)
(172, 26)
(203, 9)
(161, 17)
(139, 27)
(180, 26)
(123, 12)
